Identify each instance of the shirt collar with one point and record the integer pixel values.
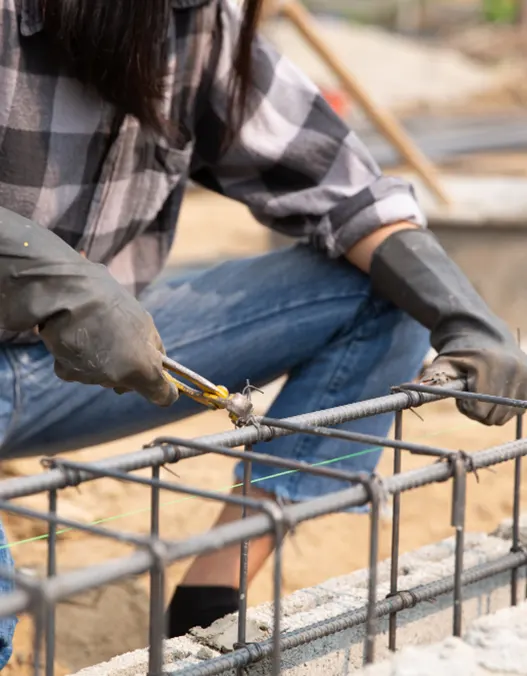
(31, 18)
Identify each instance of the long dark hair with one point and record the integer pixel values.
(119, 47)
(242, 68)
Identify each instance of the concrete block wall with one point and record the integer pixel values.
(495, 644)
(340, 653)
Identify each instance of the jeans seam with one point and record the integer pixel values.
(268, 315)
(370, 310)
(298, 451)
(17, 395)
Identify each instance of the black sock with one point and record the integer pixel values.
(199, 607)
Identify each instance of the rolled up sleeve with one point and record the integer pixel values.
(295, 164)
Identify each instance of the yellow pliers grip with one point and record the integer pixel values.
(208, 394)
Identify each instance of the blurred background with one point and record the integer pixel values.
(445, 81)
(452, 75)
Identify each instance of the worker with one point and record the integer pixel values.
(96, 150)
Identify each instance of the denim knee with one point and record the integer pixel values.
(7, 624)
(384, 349)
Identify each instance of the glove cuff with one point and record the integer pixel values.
(412, 270)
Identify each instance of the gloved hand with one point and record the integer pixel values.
(411, 269)
(98, 333)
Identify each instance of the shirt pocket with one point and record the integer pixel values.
(140, 172)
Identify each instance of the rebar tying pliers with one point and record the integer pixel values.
(238, 405)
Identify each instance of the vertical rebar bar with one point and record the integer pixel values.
(396, 515)
(369, 644)
(277, 601)
(516, 512)
(458, 521)
(157, 589)
(51, 572)
(244, 562)
(39, 622)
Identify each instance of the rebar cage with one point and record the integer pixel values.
(152, 554)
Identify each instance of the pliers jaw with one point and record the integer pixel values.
(240, 408)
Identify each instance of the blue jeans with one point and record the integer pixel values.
(289, 312)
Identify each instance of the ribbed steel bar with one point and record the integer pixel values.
(403, 600)
(516, 502)
(51, 572)
(157, 587)
(375, 495)
(469, 396)
(459, 508)
(149, 457)
(396, 523)
(366, 439)
(244, 561)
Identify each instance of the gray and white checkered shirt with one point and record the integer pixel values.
(70, 162)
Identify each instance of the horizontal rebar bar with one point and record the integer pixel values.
(469, 396)
(400, 601)
(149, 457)
(355, 437)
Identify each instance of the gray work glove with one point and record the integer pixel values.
(98, 333)
(411, 269)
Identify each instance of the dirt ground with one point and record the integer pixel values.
(111, 621)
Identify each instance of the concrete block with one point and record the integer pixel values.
(340, 653)
(496, 644)
(504, 530)
(183, 651)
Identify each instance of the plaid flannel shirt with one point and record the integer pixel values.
(70, 162)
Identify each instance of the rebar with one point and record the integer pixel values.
(244, 562)
(396, 516)
(22, 486)
(516, 512)
(263, 517)
(403, 600)
(51, 572)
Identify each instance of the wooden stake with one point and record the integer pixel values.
(522, 14)
(385, 121)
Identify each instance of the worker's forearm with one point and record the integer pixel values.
(362, 253)
(98, 333)
(39, 273)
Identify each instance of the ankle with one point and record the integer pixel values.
(199, 606)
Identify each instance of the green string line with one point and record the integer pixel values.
(108, 519)
(145, 510)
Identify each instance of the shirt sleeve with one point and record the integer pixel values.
(295, 164)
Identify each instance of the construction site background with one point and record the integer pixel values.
(455, 66)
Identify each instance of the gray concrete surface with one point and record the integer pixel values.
(496, 644)
(342, 653)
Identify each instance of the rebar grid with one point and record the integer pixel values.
(153, 554)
